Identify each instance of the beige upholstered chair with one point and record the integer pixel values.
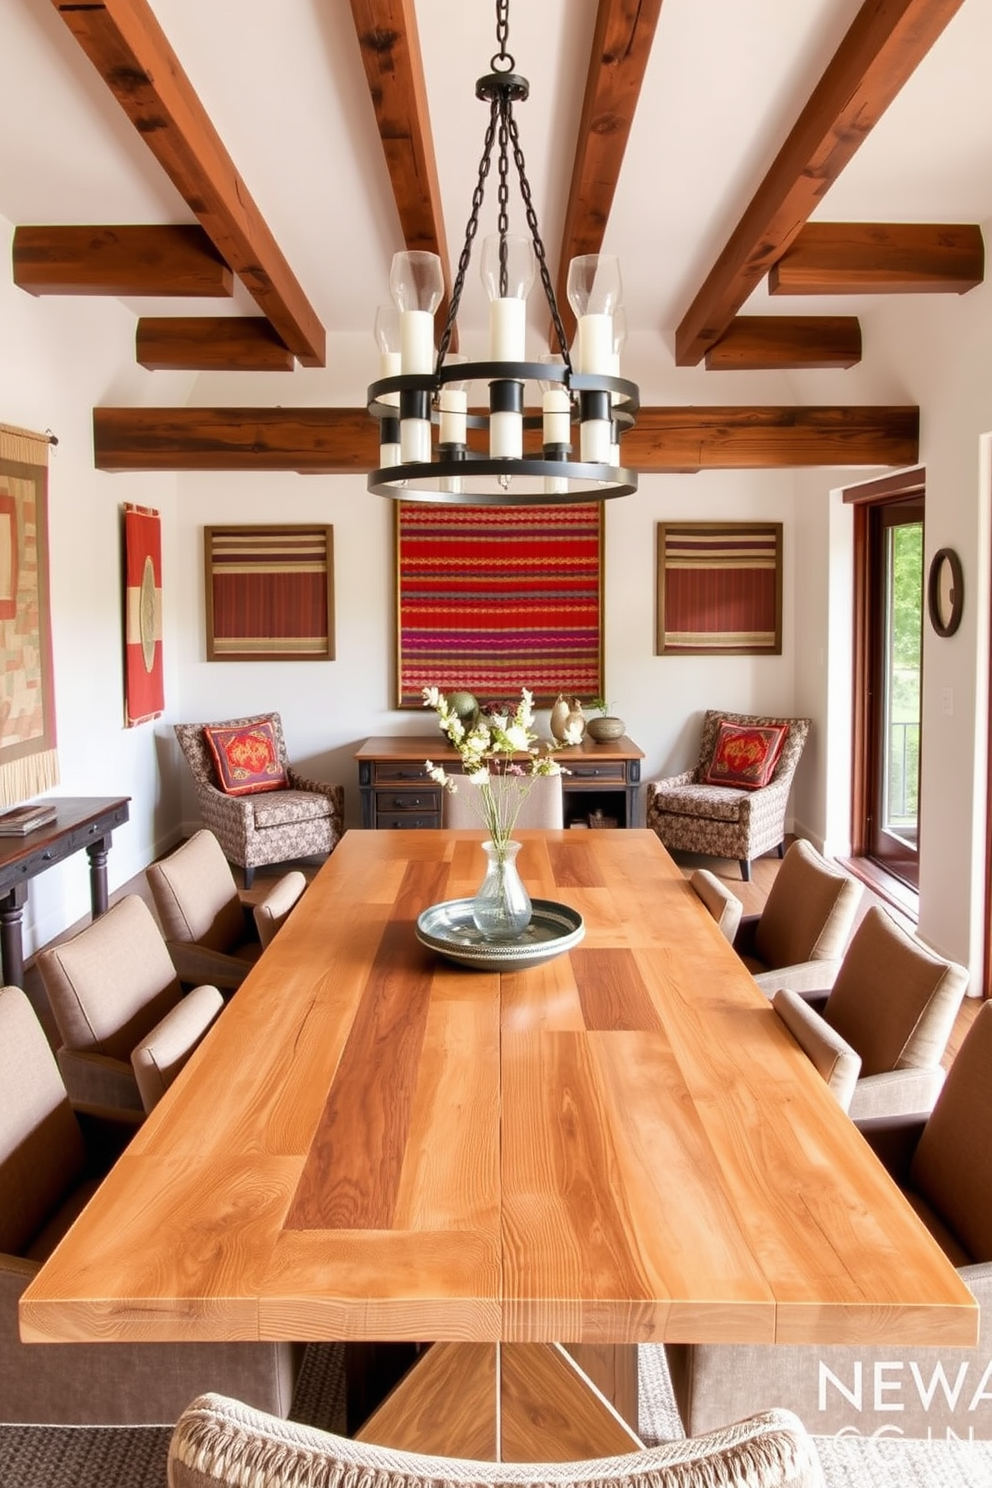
(541, 807)
(893, 1005)
(210, 933)
(943, 1163)
(799, 938)
(273, 826)
(51, 1162)
(717, 819)
(724, 906)
(220, 1443)
(126, 1028)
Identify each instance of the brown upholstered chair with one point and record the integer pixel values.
(541, 807)
(274, 826)
(717, 819)
(220, 1443)
(943, 1163)
(800, 936)
(724, 906)
(51, 1162)
(125, 1026)
(893, 1005)
(211, 934)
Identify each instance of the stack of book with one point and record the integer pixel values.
(20, 820)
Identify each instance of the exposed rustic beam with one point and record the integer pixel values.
(885, 43)
(176, 260)
(390, 46)
(338, 441)
(617, 63)
(880, 258)
(211, 343)
(128, 48)
(755, 342)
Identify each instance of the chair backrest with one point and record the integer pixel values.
(541, 807)
(112, 982)
(194, 746)
(41, 1147)
(795, 739)
(952, 1164)
(196, 896)
(809, 910)
(831, 1056)
(894, 1000)
(724, 906)
(220, 1441)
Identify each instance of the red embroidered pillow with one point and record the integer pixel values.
(745, 755)
(246, 758)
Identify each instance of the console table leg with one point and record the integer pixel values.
(98, 852)
(11, 946)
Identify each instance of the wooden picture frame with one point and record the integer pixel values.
(490, 599)
(719, 589)
(269, 592)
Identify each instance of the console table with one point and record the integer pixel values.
(81, 821)
(602, 784)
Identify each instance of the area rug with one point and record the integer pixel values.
(135, 1457)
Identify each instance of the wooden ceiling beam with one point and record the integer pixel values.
(758, 342)
(341, 441)
(127, 46)
(210, 343)
(880, 258)
(885, 43)
(162, 261)
(390, 46)
(618, 60)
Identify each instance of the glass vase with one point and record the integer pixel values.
(501, 908)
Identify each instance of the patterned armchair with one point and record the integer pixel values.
(720, 820)
(270, 827)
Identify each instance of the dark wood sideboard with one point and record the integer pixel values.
(602, 784)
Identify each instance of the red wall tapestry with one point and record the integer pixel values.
(144, 680)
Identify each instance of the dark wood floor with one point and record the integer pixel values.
(752, 895)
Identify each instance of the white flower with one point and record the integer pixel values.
(518, 737)
(432, 697)
(572, 733)
(438, 774)
(479, 776)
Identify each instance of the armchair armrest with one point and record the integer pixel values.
(811, 979)
(97, 1080)
(830, 1055)
(909, 1092)
(334, 793)
(671, 782)
(160, 1056)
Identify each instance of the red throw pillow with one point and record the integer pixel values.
(246, 758)
(745, 755)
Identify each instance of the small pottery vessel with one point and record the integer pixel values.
(560, 709)
(575, 724)
(606, 729)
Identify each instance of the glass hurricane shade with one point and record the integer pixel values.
(594, 292)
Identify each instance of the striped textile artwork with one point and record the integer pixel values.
(492, 599)
(270, 593)
(720, 588)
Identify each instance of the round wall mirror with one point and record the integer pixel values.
(945, 592)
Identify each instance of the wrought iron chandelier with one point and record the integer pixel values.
(583, 400)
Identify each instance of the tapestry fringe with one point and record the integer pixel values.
(22, 778)
(23, 446)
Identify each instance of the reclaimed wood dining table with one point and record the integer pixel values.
(534, 1170)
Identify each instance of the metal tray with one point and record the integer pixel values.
(448, 928)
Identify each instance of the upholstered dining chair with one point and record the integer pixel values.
(260, 809)
(943, 1164)
(722, 813)
(724, 906)
(126, 1028)
(221, 1443)
(52, 1159)
(541, 807)
(893, 1006)
(800, 936)
(210, 932)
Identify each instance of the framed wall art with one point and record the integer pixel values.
(28, 758)
(144, 676)
(491, 599)
(269, 593)
(719, 589)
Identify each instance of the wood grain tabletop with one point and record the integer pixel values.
(621, 1145)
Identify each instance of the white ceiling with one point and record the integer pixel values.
(285, 86)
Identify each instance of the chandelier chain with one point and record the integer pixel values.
(471, 229)
(503, 191)
(502, 36)
(539, 249)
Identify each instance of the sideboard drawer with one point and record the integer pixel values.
(386, 771)
(608, 770)
(428, 801)
(398, 820)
